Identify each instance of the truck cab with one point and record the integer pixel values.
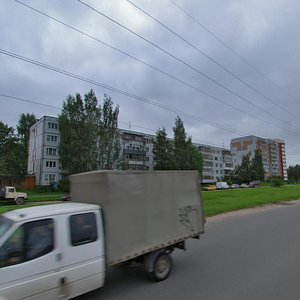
(51, 252)
(10, 193)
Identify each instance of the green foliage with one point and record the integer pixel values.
(64, 186)
(276, 181)
(249, 169)
(42, 189)
(294, 173)
(180, 154)
(89, 135)
(24, 124)
(12, 155)
(162, 151)
(257, 166)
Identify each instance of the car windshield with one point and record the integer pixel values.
(5, 224)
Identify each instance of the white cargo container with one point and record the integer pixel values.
(143, 211)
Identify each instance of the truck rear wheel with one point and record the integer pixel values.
(19, 201)
(162, 267)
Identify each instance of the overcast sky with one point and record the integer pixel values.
(229, 68)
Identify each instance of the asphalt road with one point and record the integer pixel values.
(253, 256)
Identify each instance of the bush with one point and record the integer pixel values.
(277, 182)
(43, 188)
(64, 186)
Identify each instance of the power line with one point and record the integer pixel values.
(211, 59)
(125, 123)
(185, 63)
(145, 63)
(29, 101)
(234, 51)
(130, 95)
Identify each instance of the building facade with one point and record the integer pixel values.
(137, 154)
(43, 158)
(217, 163)
(137, 149)
(272, 151)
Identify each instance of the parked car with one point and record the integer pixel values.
(222, 185)
(244, 185)
(235, 186)
(254, 183)
(210, 188)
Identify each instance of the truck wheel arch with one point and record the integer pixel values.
(19, 201)
(158, 265)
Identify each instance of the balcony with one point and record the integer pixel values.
(134, 152)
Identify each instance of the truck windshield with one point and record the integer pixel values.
(5, 224)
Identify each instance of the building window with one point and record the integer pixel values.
(51, 138)
(50, 164)
(51, 151)
(50, 177)
(216, 158)
(216, 165)
(52, 125)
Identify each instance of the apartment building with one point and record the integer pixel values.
(272, 151)
(137, 152)
(217, 163)
(43, 158)
(137, 149)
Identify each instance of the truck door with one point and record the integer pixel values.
(10, 193)
(83, 261)
(28, 261)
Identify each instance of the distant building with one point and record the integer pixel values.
(217, 163)
(43, 158)
(137, 149)
(273, 153)
(137, 152)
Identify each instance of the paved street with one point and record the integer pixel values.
(252, 256)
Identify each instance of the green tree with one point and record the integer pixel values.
(257, 166)
(23, 127)
(162, 151)
(11, 162)
(180, 146)
(194, 157)
(108, 133)
(294, 173)
(180, 154)
(89, 135)
(242, 172)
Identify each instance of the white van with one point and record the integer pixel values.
(40, 259)
(222, 185)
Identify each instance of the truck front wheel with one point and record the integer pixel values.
(162, 267)
(19, 201)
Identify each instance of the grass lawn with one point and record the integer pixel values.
(33, 197)
(217, 202)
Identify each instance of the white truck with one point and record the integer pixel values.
(61, 251)
(10, 193)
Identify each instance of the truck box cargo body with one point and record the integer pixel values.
(143, 211)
